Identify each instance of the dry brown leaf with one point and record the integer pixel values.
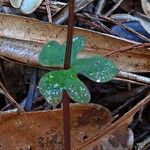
(44, 130)
(115, 132)
(21, 40)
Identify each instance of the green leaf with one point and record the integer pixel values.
(53, 53)
(98, 69)
(78, 44)
(53, 83)
(77, 90)
(49, 87)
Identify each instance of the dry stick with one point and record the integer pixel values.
(100, 6)
(125, 27)
(61, 16)
(129, 81)
(66, 99)
(5, 92)
(47, 3)
(114, 8)
(97, 23)
(134, 77)
(127, 75)
(127, 48)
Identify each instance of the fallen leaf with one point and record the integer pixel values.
(37, 130)
(21, 40)
(116, 134)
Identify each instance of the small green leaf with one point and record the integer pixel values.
(53, 83)
(53, 53)
(77, 90)
(78, 44)
(98, 69)
(50, 89)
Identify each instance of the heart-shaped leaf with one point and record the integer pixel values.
(77, 90)
(53, 83)
(98, 69)
(53, 53)
(50, 89)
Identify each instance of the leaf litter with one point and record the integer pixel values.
(21, 40)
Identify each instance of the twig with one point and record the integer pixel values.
(125, 27)
(131, 76)
(47, 3)
(127, 48)
(130, 101)
(97, 23)
(130, 81)
(114, 8)
(5, 92)
(31, 91)
(61, 16)
(100, 6)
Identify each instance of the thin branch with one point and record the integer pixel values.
(127, 48)
(133, 77)
(47, 3)
(114, 8)
(100, 6)
(5, 92)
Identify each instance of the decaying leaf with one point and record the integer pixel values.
(115, 132)
(44, 130)
(21, 40)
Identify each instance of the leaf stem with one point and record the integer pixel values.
(66, 99)
(69, 35)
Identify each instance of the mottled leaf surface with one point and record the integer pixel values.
(77, 90)
(53, 83)
(53, 53)
(98, 69)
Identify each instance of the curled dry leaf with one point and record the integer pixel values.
(21, 40)
(37, 130)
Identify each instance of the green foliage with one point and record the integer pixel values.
(98, 69)
(53, 53)
(52, 84)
